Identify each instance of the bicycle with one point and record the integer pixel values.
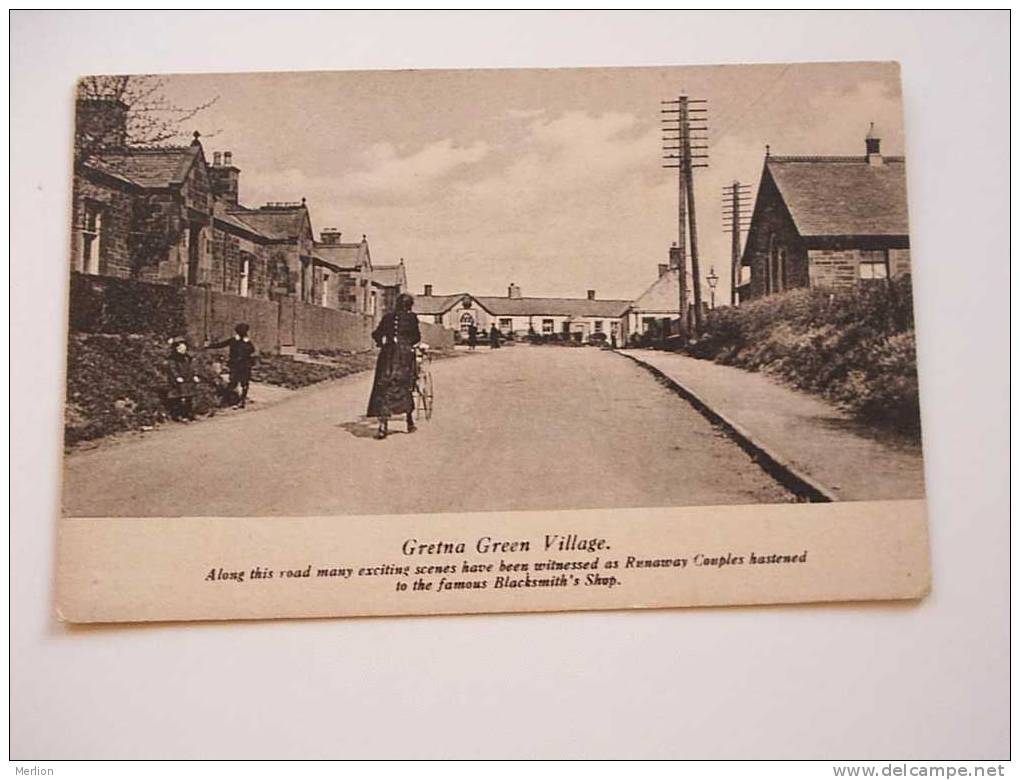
(423, 388)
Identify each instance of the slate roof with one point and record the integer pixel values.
(843, 196)
(662, 295)
(233, 219)
(344, 256)
(553, 307)
(526, 307)
(436, 304)
(146, 167)
(274, 223)
(389, 275)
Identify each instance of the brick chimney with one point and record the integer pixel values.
(872, 145)
(675, 256)
(513, 291)
(329, 235)
(101, 123)
(428, 291)
(591, 295)
(224, 177)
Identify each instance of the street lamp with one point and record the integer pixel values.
(713, 280)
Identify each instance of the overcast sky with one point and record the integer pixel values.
(547, 178)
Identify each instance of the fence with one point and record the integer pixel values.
(102, 304)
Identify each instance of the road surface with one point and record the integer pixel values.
(524, 427)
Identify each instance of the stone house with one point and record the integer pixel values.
(144, 214)
(389, 281)
(288, 240)
(831, 222)
(168, 215)
(347, 273)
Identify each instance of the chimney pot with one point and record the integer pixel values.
(216, 158)
(873, 145)
(591, 295)
(428, 290)
(228, 158)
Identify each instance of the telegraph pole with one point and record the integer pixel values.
(735, 202)
(685, 127)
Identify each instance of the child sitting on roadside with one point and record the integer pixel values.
(183, 381)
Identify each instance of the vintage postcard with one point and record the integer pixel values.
(425, 342)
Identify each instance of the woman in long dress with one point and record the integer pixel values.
(396, 336)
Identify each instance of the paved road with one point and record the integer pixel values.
(517, 428)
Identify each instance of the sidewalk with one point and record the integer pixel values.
(843, 458)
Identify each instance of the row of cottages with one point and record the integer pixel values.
(831, 222)
(518, 316)
(166, 215)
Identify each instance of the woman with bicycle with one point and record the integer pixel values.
(396, 336)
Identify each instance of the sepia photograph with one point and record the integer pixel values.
(414, 292)
(510, 385)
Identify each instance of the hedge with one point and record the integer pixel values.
(107, 304)
(855, 348)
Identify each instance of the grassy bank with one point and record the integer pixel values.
(855, 348)
(117, 382)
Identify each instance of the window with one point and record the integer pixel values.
(91, 229)
(242, 284)
(598, 326)
(614, 327)
(547, 326)
(874, 265)
(437, 318)
(506, 324)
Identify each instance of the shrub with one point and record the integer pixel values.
(118, 383)
(854, 347)
(107, 304)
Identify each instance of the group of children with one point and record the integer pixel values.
(184, 380)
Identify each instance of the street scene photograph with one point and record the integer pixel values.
(417, 292)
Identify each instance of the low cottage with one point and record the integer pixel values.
(517, 316)
(831, 222)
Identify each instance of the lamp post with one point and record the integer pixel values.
(712, 280)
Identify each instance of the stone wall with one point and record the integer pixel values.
(833, 269)
(102, 304)
(317, 328)
(899, 262)
(211, 316)
(837, 269)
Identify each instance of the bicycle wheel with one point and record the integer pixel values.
(425, 394)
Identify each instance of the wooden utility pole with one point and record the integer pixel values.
(682, 129)
(735, 199)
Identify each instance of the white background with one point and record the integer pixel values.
(845, 681)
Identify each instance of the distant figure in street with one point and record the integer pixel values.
(472, 336)
(494, 337)
(240, 360)
(396, 337)
(183, 382)
(612, 341)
